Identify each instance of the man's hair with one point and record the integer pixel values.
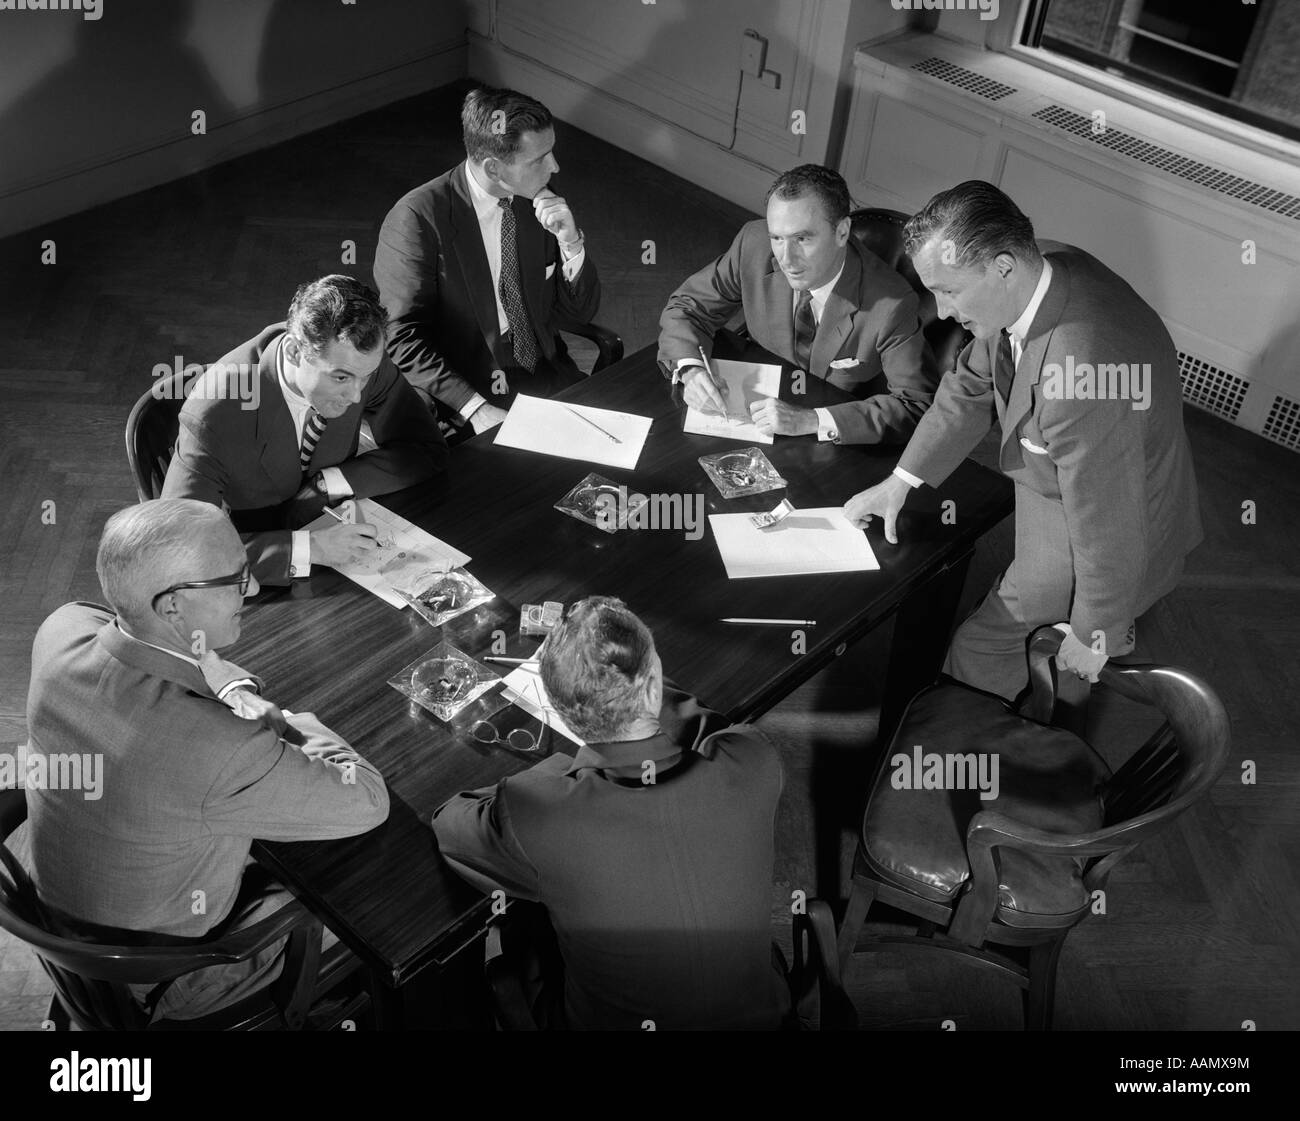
(148, 547)
(336, 307)
(811, 178)
(494, 121)
(980, 222)
(595, 667)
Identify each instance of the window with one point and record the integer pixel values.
(1240, 58)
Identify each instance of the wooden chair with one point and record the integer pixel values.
(151, 430)
(91, 979)
(1002, 882)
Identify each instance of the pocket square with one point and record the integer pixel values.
(550, 271)
(1029, 445)
(845, 363)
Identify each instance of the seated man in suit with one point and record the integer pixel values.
(480, 267)
(1081, 376)
(275, 466)
(815, 298)
(651, 848)
(195, 763)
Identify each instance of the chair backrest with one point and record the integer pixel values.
(881, 232)
(151, 431)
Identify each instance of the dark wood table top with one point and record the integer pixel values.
(327, 646)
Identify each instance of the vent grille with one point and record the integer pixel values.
(1283, 423)
(1202, 174)
(964, 79)
(1211, 388)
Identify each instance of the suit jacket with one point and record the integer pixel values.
(432, 274)
(248, 458)
(868, 343)
(187, 784)
(1118, 481)
(660, 894)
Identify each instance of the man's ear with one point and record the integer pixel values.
(166, 609)
(1005, 264)
(842, 230)
(492, 169)
(292, 350)
(654, 694)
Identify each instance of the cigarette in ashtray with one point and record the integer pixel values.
(782, 511)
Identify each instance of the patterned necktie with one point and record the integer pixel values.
(512, 296)
(805, 331)
(311, 432)
(1004, 370)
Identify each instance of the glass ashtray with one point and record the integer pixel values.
(439, 596)
(444, 681)
(602, 503)
(738, 473)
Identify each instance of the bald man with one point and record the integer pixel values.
(194, 764)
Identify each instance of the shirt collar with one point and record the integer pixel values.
(175, 654)
(625, 754)
(484, 203)
(1020, 328)
(819, 296)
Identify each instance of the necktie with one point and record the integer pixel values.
(805, 330)
(1005, 369)
(311, 432)
(512, 296)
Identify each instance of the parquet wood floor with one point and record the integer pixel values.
(1202, 929)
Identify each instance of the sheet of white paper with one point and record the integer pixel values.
(536, 424)
(410, 553)
(805, 542)
(746, 383)
(524, 687)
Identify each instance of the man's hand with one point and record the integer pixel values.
(776, 418)
(883, 500)
(342, 544)
(556, 218)
(701, 391)
(485, 417)
(251, 706)
(1078, 657)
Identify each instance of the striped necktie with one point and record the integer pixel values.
(512, 296)
(311, 432)
(1004, 370)
(805, 331)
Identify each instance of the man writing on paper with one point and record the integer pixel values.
(196, 764)
(813, 296)
(481, 267)
(651, 848)
(275, 466)
(1082, 377)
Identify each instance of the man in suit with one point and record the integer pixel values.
(651, 848)
(815, 298)
(277, 464)
(480, 267)
(1082, 377)
(195, 763)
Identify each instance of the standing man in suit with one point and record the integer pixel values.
(195, 763)
(811, 295)
(651, 848)
(1082, 377)
(480, 267)
(276, 465)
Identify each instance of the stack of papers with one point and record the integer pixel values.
(805, 542)
(746, 382)
(536, 424)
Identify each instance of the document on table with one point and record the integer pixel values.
(746, 382)
(570, 431)
(803, 543)
(524, 687)
(406, 558)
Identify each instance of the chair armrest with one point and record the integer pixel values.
(815, 985)
(609, 346)
(511, 1004)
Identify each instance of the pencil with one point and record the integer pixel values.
(776, 622)
(594, 425)
(509, 661)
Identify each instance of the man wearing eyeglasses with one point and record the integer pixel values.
(277, 464)
(651, 848)
(195, 764)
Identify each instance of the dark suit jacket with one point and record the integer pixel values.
(660, 894)
(1122, 477)
(432, 274)
(248, 458)
(870, 328)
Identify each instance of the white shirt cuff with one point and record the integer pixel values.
(242, 683)
(826, 429)
(336, 485)
(682, 363)
(907, 477)
(573, 265)
(300, 554)
(472, 405)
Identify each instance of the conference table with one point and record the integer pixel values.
(328, 646)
